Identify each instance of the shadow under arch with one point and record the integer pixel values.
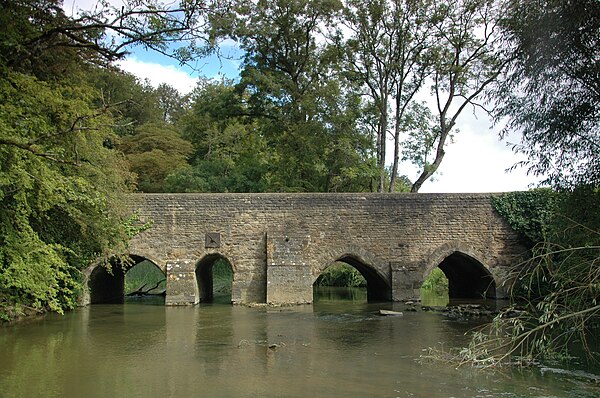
(467, 276)
(378, 289)
(108, 287)
(205, 278)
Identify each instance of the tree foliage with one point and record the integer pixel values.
(555, 293)
(386, 54)
(530, 212)
(549, 93)
(154, 151)
(58, 184)
(464, 63)
(61, 178)
(551, 90)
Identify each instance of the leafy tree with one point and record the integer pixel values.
(171, 102)
(132, 102)
(385, 53)
(61, 180)
(464, 64)
(291, 80)
(230, 154)
(550, 92)
(58, 184)
(154, 151)
(555, 309)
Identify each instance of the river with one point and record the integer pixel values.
(333, 348)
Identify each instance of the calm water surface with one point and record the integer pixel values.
(332, 348)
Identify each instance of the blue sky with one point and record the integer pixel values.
(475, 162)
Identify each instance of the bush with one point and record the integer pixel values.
(436, 281)
(342, 275)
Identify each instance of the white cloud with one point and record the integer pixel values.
(477, 162)
(157, 74)
(73, 7)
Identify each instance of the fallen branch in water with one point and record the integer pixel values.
(141, 292)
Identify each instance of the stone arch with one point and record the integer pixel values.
(108, 287)
(378, 285)
(468, 277)
(204, 275)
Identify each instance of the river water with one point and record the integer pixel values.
(333, 348)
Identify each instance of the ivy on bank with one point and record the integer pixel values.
(530, 213)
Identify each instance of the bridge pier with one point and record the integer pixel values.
(289, 278)
(406, 281)
(182, 288)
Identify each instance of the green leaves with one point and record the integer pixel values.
(154, 151)
(530, 213)
(555, 292)
(58, 189)
(550, 92)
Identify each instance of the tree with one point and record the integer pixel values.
(292, 83)
(554, 310)
(59, 190)
(61, 180)
(464, 64)
(229, 154)
(550, 92)
(171, 102)
(385, 53)
(154, 151)
(133, 103)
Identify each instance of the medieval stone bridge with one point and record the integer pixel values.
(279, 244)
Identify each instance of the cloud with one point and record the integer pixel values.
(73, 7)
(156, 74)
(477, 162)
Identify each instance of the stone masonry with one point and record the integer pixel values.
(278, 244)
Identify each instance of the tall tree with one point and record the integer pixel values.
(154, 151)
(551, 89)
(291, 79)
(230, 153)
(464, 64)
(550, 93)
(61, 180)
(385, 53)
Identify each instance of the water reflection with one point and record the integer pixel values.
(334, 294)
(332, 348)
(433, 298)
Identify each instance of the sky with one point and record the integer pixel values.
(476, 161)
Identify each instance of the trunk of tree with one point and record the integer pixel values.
(381, 145)
(394, 175)
(429, 170)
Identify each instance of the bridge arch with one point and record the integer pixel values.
(106, 286)
(467, 275)
(378, 284)
(205, 278)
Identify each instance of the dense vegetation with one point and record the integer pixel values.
(436, 282)
(144, 278)
(549, 91)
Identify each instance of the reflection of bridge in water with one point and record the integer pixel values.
(279, 244)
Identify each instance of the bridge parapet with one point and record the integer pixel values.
(278, 244)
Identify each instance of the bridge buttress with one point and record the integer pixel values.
(406, 280)
(289, 278)
(181, 283)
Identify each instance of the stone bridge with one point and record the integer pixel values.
(279, 244)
